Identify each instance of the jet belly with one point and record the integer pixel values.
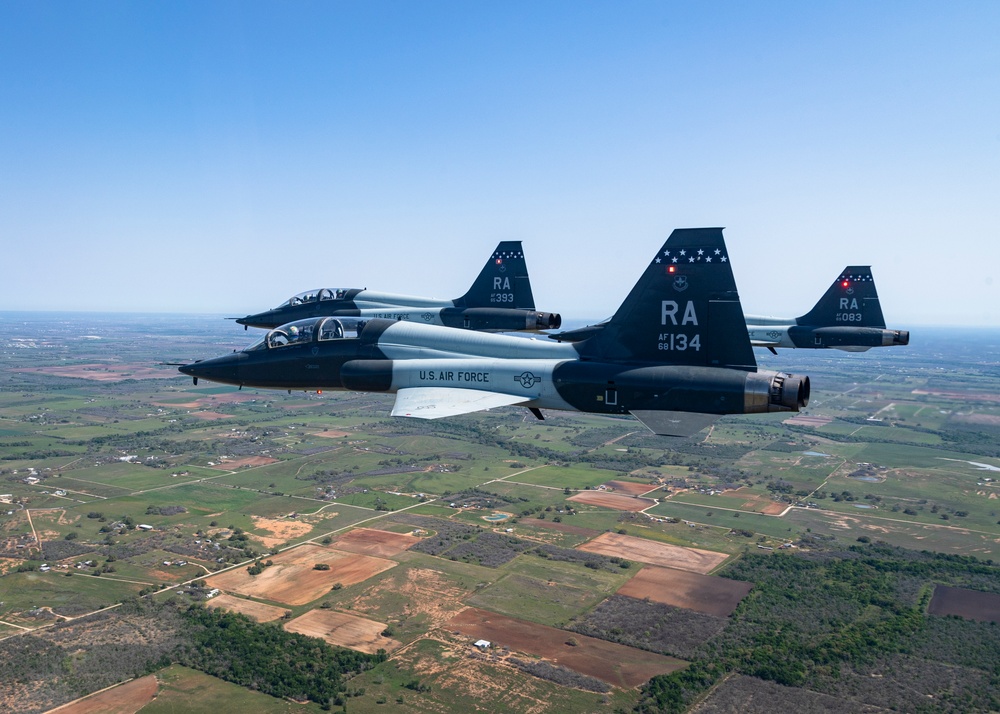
(619, 389)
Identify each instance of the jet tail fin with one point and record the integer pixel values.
(503, 281)
(684, 310)
(851, 301)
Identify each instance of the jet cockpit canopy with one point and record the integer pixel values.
(316, 329)
(315, 296)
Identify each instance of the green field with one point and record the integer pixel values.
(186, 690)
(65, 595)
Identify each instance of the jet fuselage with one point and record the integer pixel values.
(783, 332)
(393, 356)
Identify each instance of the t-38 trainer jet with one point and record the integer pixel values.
(848, 317)
(675, 355)
(500, 300)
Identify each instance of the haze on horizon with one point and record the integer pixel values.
(219, 158)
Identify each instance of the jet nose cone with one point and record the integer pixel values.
(223, 369)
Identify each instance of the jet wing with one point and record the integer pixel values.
(438, 402)
(765, 343)
(666, 423)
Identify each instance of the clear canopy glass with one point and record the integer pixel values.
(316, 329)
(315, 296)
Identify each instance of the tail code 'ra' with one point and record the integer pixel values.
(850, 301)
(503, 281)
(684, 310)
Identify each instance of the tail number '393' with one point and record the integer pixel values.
(678, 342)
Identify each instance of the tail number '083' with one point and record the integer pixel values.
(679, 342)
(848, 317)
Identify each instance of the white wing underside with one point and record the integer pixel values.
(438, 402)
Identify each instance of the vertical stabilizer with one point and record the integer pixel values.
(851, 301)
(684, 310)
(503, 281)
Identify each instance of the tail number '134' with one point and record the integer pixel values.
(678, 342)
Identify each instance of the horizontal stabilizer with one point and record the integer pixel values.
(765, 343)
(666, 423)
(438, 402)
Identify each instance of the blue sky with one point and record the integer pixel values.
(219, 157)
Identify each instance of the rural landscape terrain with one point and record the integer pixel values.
(166, 546)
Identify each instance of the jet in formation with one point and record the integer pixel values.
(848, 317)
(676, 356)
(499, 300)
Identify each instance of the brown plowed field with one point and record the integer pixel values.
(332, 434)
(248, 461)
(255, 610)
(292, 579)
(631, 488)
(374, 542)
(615, 664)
(691, 591)
(103, 372)
(343, 630)
(615, 501)
(972, 604)
(693, 560)
(126, 698)
(755, 502)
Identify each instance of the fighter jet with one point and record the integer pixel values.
(848, 317)
(500, 300)
(675, 355)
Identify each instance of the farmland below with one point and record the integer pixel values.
(837, 562)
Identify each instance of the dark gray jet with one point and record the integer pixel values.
(848, 317)
(500, 300)
(675, 355)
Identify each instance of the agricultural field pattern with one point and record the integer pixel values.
(154, 531)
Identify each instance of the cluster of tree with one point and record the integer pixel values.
(816, 620)
(266, 658)
(164, 510)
